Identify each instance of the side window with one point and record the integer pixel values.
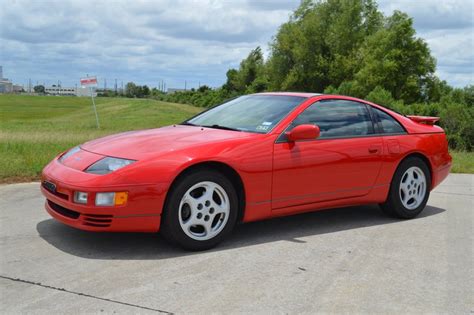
(337, 118)
(389, 124)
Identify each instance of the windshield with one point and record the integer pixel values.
(253, 113)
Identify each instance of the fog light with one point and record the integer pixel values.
(80, 197)
(111, 198)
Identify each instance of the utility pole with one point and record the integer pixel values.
(185, 83)
(115, 86)
(105, 84)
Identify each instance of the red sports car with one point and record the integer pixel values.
(255, 157)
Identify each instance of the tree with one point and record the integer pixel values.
(435, 89)
(469, 95)
(396, 60)
(251, 69)
(456, 120)
(133, 90)
(382, 97)
(318, 46)
(39, 89)
(145, 91)
(203, 88)
(230, 84)
(130, 89)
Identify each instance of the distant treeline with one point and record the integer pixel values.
(348, 48)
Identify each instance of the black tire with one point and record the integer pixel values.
(394, 206)
(170, 222)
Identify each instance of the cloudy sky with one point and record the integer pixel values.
(178, 40)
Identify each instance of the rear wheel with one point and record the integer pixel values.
(201, 210)
(409, 190)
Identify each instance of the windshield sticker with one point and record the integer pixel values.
(266, 123)
(262, 128)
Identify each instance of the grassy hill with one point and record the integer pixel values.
(34, 129)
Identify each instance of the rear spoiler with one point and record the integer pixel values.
(427, 120)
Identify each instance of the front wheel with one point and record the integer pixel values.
(200, 211)
(409, 190)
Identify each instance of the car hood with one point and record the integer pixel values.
(139, 145)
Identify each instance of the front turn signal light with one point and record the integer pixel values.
(121, 198)
(111, 198)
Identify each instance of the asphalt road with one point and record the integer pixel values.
(338, 261)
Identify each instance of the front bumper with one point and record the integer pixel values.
(141, 213)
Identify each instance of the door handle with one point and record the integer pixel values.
(373, 150)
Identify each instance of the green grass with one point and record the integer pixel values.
(463, 162)
(34, 129)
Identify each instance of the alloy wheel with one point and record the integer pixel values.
(204, 210)
(412, 188)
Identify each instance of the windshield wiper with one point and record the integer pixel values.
(221, 127)
(188, 124)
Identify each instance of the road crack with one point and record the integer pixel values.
(82, 294)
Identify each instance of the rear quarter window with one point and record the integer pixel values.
(388, 123)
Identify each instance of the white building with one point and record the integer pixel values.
(17, 88)
(69, 91)
(58, 90)
(7, 86)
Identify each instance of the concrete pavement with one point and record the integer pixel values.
(350, 260)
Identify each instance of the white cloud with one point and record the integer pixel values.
(197, 41)
(144, 41)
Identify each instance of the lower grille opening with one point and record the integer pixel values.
(63, 211)
(94, 220)
(96, 224)
(97, 220)
(99, 216)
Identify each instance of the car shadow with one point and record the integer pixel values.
(142, 246)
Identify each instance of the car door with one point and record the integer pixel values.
(343, 162)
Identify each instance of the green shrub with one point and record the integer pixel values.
(381, 96)
(458, 122)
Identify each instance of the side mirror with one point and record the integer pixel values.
(303, 132)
